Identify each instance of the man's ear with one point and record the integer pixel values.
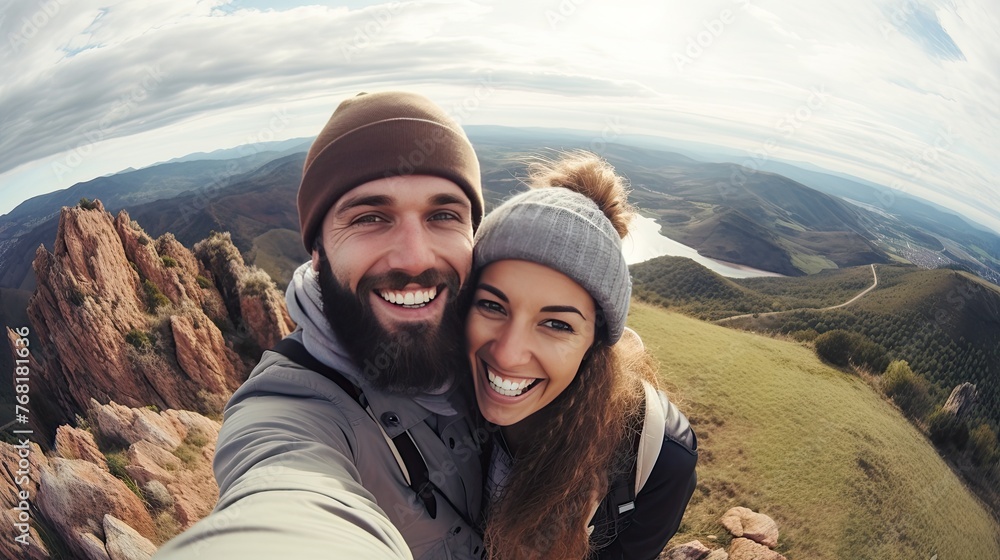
(315, 260)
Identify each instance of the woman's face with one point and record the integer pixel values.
(527, 333)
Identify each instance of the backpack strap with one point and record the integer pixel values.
(651, 440)
(403, 448)
(662, 420)
(646, 449)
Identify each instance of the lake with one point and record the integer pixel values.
(644, 242)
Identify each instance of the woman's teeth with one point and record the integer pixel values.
(506, 387)
(417, 298)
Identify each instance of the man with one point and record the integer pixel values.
(352, 440)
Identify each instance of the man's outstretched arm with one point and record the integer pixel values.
(287, 487)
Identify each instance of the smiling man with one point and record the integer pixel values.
(351, 439)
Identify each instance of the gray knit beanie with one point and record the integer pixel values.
(565, 231)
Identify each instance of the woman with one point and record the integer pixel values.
(552, 369)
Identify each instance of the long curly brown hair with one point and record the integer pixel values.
(580, 441)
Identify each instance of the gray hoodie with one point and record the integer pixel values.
(305, 472)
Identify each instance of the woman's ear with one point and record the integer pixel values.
(589, 353)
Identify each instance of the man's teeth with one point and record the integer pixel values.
(418, 297)
(506, 387)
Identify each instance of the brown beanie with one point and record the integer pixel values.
(376, 135)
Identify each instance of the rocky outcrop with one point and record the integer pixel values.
(263, 309)
(746, 549)
(693, 550)
(129, 335)
(247, 292)
(71, 492)
(170, 451)
(87, 298)
(22, 463)
(962, 400)
(74, 443)
(755, 535)
(115, 490)
(744, 522)
(122, 542)
(121, 316)
(202, 353)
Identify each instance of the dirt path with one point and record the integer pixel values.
(846, 303)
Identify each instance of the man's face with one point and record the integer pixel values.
(397, 250)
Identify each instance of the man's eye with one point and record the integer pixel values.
(368, 219)
(489, 306)
(440, 216)
(558, 325)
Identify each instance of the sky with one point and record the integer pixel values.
(905, 94)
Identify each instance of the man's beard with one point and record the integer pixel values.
(418, 356)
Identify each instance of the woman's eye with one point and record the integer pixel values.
(558, 325)
(489, 306)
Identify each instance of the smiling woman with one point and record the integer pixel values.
(525, 344)
(572, 390)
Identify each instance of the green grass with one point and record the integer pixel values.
(839, 468)
(811, 264)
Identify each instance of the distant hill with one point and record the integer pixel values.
(762, 220)
(685, 285)
(33, 222)
(841, 471)
(945, 323)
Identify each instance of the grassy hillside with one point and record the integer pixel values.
(945, 323)
(684, 285)
(843, 473)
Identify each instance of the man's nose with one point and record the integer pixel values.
(412, 249)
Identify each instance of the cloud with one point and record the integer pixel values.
(95, 87)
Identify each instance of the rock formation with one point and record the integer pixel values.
(133, 342)
(746, 549)
(693, 550)
(74, 443)
(962, 400)
(755, 535)
(122, 542)
(120, 316)
(133, 479)
(743, 522)
(72, 492)
(247, 292)
(22, 465)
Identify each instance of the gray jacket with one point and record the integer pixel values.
(305, 472)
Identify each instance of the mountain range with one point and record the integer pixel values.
(759, 219)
